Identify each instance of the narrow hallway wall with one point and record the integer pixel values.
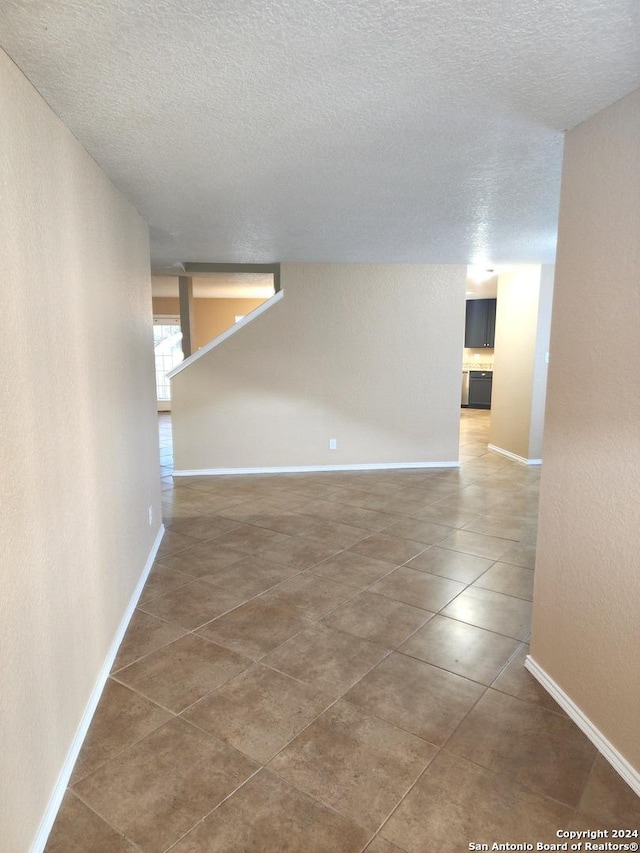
(585, 620)
(79, 454)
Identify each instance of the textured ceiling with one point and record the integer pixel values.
(324, 130)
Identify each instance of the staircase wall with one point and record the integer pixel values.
(368, 354)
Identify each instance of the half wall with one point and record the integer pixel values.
(366, 354)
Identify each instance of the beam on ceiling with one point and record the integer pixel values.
(196, 267)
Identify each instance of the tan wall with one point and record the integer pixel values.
(212, 316)
(540, 363)
(366, 354)
(585, 626)
(518, 365)
(166, 305)
(79, 449)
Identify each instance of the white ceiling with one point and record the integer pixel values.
(325, 130)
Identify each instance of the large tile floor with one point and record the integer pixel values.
(332, 663)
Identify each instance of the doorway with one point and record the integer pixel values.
(167, 348)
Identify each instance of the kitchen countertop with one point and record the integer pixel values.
(477, 365)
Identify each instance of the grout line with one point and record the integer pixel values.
(216, 807)
(102, 818)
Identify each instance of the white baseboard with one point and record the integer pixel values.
(514, 456)
(305, 469)
(60, 787)
(619, 763)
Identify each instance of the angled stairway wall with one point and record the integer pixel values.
(368, 354)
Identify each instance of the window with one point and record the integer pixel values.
(167, 345)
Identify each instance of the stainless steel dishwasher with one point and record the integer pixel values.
(464, 401)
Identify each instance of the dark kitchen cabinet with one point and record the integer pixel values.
(480, 326)
(480, 382)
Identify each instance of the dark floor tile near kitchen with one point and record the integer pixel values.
(343, 631)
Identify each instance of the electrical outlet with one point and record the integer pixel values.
(333, 444)
(150, 514)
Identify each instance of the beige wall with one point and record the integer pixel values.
(366, 354)
(519, 368)
(585, 627)
(166, 305)
(79, 450)
(212, 316)
(540, 362)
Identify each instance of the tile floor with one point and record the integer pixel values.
(332, 663)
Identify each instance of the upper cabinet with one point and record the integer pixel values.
(480, 327)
